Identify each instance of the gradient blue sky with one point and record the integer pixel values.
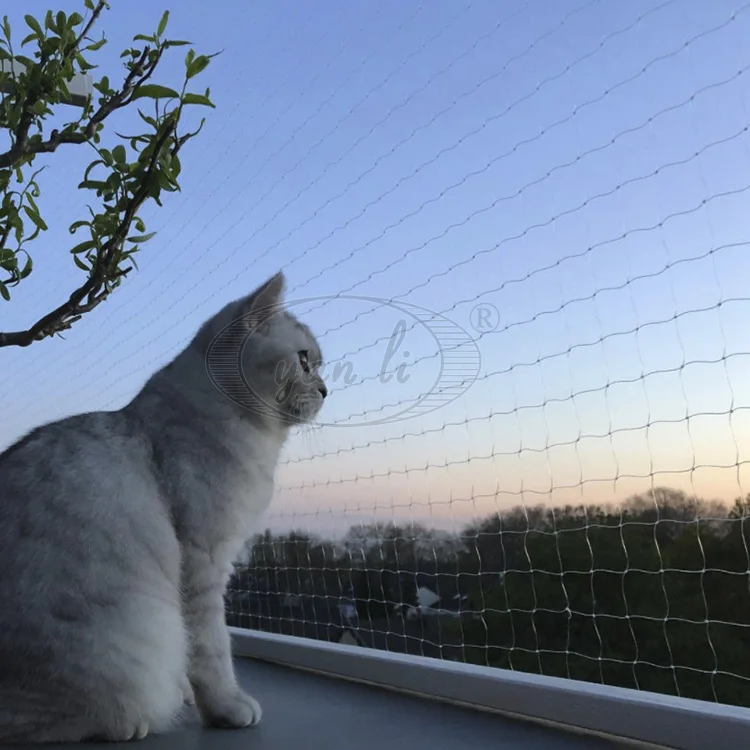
(582, 166)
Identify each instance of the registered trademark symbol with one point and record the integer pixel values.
(484, 317)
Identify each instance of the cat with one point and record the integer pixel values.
(118, 531)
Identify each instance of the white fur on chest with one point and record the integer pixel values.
(249, 483)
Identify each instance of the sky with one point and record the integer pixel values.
(538, 206)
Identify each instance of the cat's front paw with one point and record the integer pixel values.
(238, 711)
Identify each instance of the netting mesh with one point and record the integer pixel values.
(518, 230)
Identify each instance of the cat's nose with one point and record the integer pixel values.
(323, 390)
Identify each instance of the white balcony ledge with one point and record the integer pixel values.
(313, 712)
(338, 696)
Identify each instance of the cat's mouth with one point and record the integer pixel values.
(304, 410)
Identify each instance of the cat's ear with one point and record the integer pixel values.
(265, 301)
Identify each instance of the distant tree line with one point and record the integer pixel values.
(653, 595)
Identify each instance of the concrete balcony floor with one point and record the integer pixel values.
(304, 711)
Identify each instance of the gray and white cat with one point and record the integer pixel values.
(118, 531)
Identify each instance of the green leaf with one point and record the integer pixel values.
(176, 43)
(6, 27)
(4, 292)
(91, 166)
(80, 263)
(82, 63)
(144, 38)
(197, 66)
(93, 185)
(198, 99)
(114, 181)
(175, 168)
(77, 225)
(94, 46)
(103, 86)
(63, 86)
(89, 4)
(28, 267)
(148, 120)
(87, 245)
(163, 23)
(11, 265)
(33, 24)
(154, 91)
(141, 237)
(36, 218)
(120, 154)
(76, 19)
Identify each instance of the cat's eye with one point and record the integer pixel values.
(303, 361)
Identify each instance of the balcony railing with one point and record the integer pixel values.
(652, 595)
(585, 627)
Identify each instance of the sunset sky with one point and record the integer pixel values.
(581, 168)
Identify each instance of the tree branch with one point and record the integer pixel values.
(101, 5)
(141, 71)
(106, 256)
(95, 289)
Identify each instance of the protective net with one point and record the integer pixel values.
(516, 229)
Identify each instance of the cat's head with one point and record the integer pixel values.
(278, 356)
